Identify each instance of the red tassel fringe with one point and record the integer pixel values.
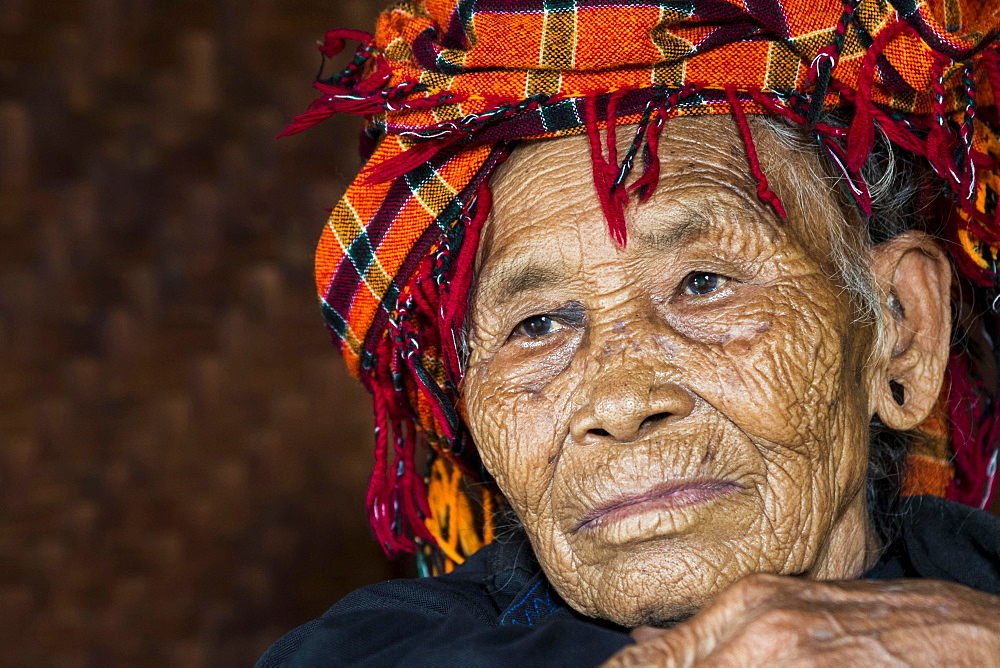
(764, 191)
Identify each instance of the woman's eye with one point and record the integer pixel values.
(703, 283)
(536, 326)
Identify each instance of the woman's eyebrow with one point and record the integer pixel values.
(674, 236)
(509, 280)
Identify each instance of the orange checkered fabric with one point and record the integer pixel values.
(448, 85)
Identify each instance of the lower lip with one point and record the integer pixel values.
(661, 506)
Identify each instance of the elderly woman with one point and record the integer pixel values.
(658, 292)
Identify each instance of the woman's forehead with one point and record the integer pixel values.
(543, 173)
(545, 191)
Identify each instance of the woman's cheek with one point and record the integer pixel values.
(501, 421)
(515, 405)
(519, 429)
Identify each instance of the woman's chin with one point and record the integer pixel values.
(661, 581)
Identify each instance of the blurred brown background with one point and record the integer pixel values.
(182, 455)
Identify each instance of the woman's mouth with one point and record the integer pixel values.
(662, 498)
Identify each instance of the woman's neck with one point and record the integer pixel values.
(853, 547)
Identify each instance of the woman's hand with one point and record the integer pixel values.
(771, 619)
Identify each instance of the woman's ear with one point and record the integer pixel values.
(914, 279)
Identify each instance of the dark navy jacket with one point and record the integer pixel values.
(497, 609)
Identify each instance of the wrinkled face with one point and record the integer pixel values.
(670, 416)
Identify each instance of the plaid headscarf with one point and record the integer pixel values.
(447, 85)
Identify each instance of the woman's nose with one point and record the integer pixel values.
(624, 404)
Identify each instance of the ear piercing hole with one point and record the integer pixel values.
(898, 393)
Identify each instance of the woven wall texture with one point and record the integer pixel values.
(182, 454)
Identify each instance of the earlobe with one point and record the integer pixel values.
(914, 277)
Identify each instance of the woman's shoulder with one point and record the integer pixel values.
(497, 607)
(945, 540)
(393, 608)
